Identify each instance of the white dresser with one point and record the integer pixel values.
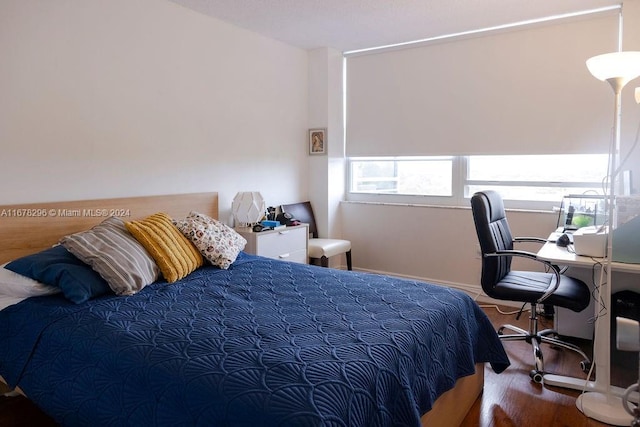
(287, 244)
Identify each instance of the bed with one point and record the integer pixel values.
(263, 342)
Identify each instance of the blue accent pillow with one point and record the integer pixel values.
(59, 267)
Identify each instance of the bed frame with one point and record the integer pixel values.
(29, 228)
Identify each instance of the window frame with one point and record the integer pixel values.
(460, 183)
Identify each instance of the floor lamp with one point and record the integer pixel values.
(618, 69)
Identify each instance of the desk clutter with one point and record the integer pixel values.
(275, 221)
(582, 210)
(583, 223)
(591, 241)
(582, 220)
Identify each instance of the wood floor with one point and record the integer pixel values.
(509, 399)
(512, 399)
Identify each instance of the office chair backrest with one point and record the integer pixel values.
(494, 234)
(304, 213)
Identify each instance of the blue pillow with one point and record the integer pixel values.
(59, 267)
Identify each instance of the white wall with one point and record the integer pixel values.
(131, 97)
(437, 244)
(327, 172)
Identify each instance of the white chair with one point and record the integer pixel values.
(319, 249)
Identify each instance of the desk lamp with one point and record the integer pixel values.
(248, 208)
(618, 69)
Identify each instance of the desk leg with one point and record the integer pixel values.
(602, 404)
(572, 383)
(601, 401)
(581, 384)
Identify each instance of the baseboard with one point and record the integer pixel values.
(473, 290)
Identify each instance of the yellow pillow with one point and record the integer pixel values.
(171, 250)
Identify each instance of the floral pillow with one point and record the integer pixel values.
(217, 242)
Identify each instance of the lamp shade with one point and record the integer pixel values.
(638, 95)
(624, 66)
(248, 207)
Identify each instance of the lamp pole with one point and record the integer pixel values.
(602, 405)
(617, 69)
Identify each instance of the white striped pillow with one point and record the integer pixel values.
(115, 254)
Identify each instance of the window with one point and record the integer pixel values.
(429, 176)
(537, 178)
(525, 181)
(420, 102)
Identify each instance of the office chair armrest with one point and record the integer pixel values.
(541, 241)
(512, 252)
(552, 288)
(530, 240)
(530, 255)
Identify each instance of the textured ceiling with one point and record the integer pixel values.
(356, 24)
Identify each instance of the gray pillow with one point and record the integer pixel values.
(115, 254)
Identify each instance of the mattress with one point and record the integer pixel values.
(264, 343)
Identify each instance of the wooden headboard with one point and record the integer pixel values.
(29, 228)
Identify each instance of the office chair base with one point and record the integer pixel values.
(536, 376)
(547, 336)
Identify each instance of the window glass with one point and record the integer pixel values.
(410, 176)
(525, 181)
(550, 168)
(532, 193)
(537, 177)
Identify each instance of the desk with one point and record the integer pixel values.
(602, 400)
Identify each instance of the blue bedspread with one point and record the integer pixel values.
(266, 343)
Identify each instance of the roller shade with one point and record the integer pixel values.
(522, 91)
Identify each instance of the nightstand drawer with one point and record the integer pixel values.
(287, 244)
(297, 256)
(274, 244)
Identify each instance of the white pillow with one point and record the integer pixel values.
(18, 286)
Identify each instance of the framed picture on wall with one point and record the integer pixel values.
(317, 141)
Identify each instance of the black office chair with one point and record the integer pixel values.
(319, 249)
(529, 287)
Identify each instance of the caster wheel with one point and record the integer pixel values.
(536, 376)
(585, 365)
(501, 331)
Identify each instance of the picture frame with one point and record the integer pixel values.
(317, 141)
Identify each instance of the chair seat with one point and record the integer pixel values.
(328, 247)
(528, 286)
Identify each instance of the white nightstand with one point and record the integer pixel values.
(287, 244)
